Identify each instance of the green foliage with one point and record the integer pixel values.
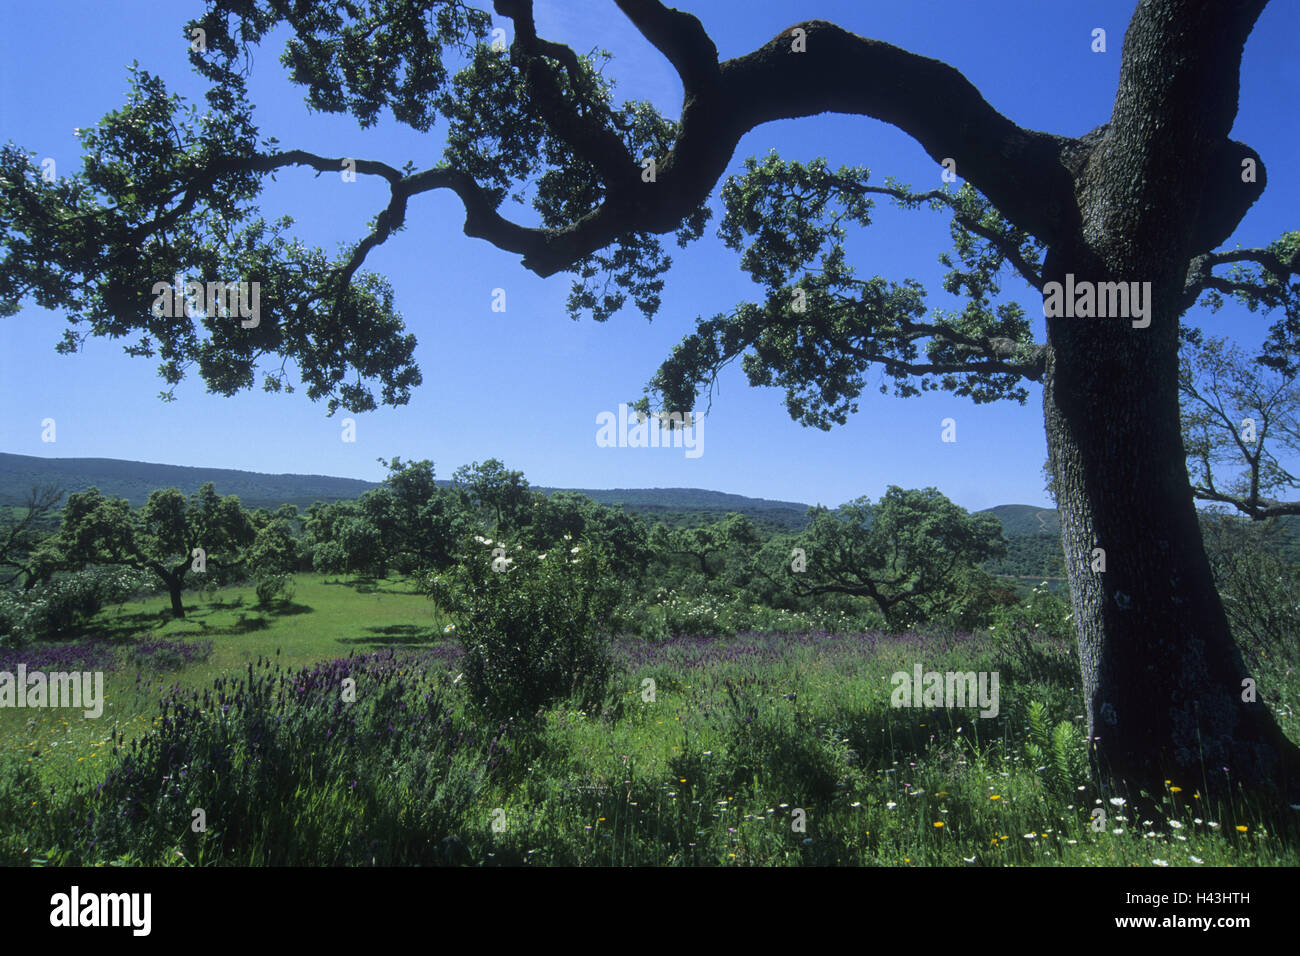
(343, 336)
(1036, 556)
(622, 535)
(274, 587)
(820, 327)
(710, 548)
(771, 745)
(533, 625)
(913, 554)
(743, 733)
(1036, 638)
(26, 555)
(1043, 614)
(418, 522)
(160, 537)
(500, 495)
(342, 539)
(1259, 589)
(1266, 288)
(274, 550)
(1058, 753)
(53, 608)
(286, 774)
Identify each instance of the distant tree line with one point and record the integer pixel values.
(913, 558)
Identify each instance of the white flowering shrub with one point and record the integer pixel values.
(53, 607)
(534, 624)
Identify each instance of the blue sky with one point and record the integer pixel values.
(527, 385)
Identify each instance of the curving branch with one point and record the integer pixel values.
(1200, 277)
(1020, 171)
(589, 132)
(680, 37)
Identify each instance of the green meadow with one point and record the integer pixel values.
(327, 618)
(753, 749)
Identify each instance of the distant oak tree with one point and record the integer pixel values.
(168, 535)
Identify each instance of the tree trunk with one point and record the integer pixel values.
(174, 587)
(1163, 680)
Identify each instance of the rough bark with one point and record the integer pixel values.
(1163, 679)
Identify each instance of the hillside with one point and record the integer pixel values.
(134, 480)
(1026, 519)
(1035, 532)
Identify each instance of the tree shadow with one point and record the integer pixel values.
(367, 585)
(396, 634)
(120, 629)
(284, 608)
(243, 624)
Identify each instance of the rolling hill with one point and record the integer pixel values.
(1037, 530)
(134, 480)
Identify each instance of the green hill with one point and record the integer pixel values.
(134, 480)
(1034, 532)
(1026, 520)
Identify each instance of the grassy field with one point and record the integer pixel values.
(326, 618)
(754, 749)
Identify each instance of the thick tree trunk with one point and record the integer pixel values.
(1164, 684)
(1163, 680)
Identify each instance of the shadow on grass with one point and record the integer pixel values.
(119, 629)
(243, 624)
(396, 634)
(125, 628)
(284, 608)
(367, 585)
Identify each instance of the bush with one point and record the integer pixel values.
(274, 587)
(53, 607)
(288, 774)
(1259, 590)
(1042, 614)
(1058, 753)
(1035, 639)
(328, 557)
(534, 625)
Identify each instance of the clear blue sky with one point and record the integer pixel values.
(526, 386)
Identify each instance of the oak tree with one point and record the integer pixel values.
(169, 535)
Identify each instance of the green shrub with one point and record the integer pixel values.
(53, 607)
(534, 625)
(1260, 591)
(274, 587)
(1057, 754)
(288, 773)
(1035, 639)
